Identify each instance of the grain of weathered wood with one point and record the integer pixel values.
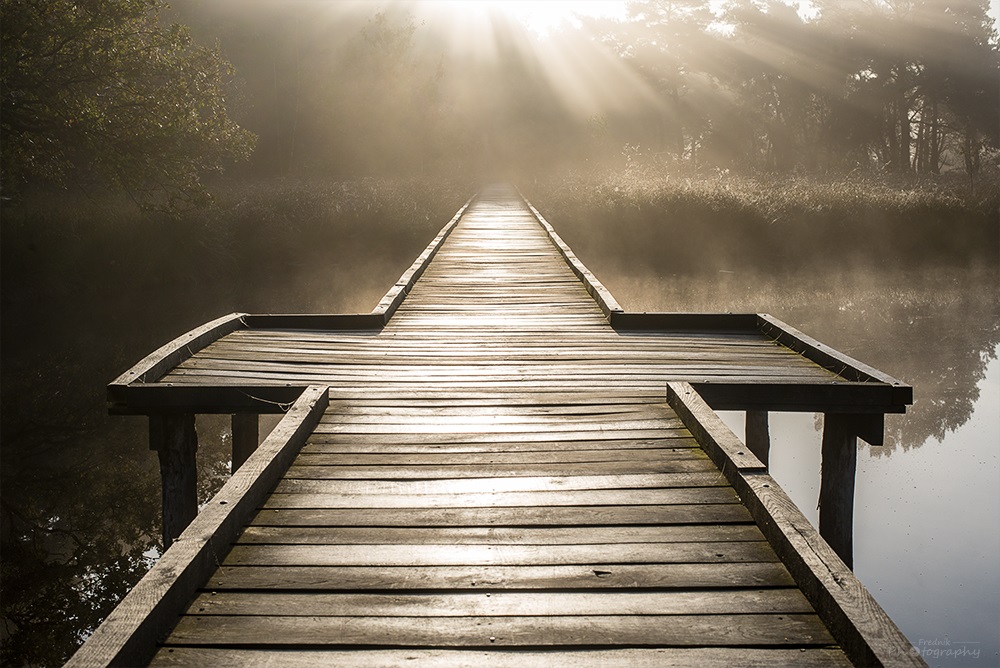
(758, 435)
(175, 441)
(728, 512)
(511, 555)
(498, 535)
(246, 435)
(593, 631)
(665, 456)
(599, 575)
(497, 485)
(539, 499)
(500, 604)
(836, 491)
(406, 469)
(673, 657)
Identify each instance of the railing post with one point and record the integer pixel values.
(758, 435)
(836, 493)
(246, 436)
(175, 440)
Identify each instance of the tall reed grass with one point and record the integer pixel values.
(774, 223)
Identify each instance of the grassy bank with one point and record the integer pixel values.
(776, 224)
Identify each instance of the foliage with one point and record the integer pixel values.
(897, 86)
(99, 91)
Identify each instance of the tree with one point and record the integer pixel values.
(99, 91)
(668, 42)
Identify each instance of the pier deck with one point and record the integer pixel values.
(498, 466)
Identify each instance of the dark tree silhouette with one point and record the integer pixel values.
(99, 90)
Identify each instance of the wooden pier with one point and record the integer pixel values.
(499, 466)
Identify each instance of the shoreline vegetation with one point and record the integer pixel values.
(775, 223)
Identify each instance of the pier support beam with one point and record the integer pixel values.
(836, 492)
(840, 459)
(246, 436)
(758, 435)
(175, 440)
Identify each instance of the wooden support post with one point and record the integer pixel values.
(246, 436)
(836, 492)
(175, 440)
(758, 435)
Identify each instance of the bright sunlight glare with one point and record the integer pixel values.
(539, 16)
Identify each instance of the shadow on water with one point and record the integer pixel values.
(91, 288)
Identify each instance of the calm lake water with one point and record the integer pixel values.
(81, 489)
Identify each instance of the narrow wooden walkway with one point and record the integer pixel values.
(498, 480)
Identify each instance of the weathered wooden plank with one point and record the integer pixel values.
(406, 470)
(758, 437)
(640, 497)
(523, 458)
(320, 321)
(246, 436)
(467, 426)
(498, 535)
(508, 440)
(596, 289)
(524, 516)
(493, 485)
(709, 430)
(494, 577)
(825, 356)
(510, 555)
(673, 657)
(681, 322)
(600, 631)
(168, 397)
(156, 364)
(354, 444)
(501, 604)
(175, 441)
(836, 490)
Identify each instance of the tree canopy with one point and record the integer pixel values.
(99, 91)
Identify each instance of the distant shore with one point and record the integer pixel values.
(776, 222)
